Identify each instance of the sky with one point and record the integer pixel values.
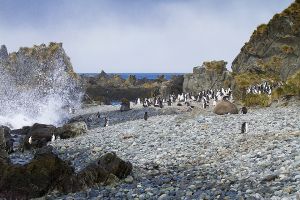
(136, 36)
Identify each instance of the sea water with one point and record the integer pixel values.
(149, 76)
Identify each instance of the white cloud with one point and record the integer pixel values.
(172, 36)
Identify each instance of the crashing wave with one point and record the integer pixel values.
(37, 85)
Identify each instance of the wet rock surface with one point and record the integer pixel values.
(46, 172)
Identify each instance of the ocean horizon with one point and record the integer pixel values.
(150, 76)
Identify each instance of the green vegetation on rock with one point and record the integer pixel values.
(262, 100)
(218, 66)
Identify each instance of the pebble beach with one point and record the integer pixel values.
(180, 153)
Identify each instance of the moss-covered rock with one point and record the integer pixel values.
(273, 48)
(211, 75)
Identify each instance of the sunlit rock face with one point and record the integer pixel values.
(37, 85)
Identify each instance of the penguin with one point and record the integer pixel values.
(105, 122)
(170, 102)
(138, 101)
(160, 104)
(244, 110)
(30, 140)
(244, 127)
(71, 110)
(214, 102)
(146, 116)
(53, 138)
(98, 115)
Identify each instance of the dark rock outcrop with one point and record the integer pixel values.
(47, 172)
(173, 86)
(273, 50)
(211, 75)
(40, 135)
(225, 107)
(8, 138)
(106, 88)
(3, 152)
(34, 179)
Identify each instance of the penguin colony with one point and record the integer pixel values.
(263, 88)
(206, 97)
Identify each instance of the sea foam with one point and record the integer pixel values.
(46, 101)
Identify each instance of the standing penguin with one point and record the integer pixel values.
(146, 116)
(244, 127)
(244, 110)
(30, 140)
(105, 122)
(53, 138)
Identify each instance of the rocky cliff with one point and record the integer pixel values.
(36, 65)
(211, 75)
(274, 48)
(35, 81)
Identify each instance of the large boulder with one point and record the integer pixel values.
(40, 135)
(99, 171)
(225, 107)
(211, 75)
(72, 130)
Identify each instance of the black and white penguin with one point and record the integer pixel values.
(53, 138)
(244, 127)
(105, 122)
(98, 115)
(160, 103)
(146, 116)
(30, 140)
(244, 110)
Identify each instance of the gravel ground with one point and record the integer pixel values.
(194, 155)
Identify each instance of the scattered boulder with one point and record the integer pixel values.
(72, 130)
(40, 135)
(225, 107)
